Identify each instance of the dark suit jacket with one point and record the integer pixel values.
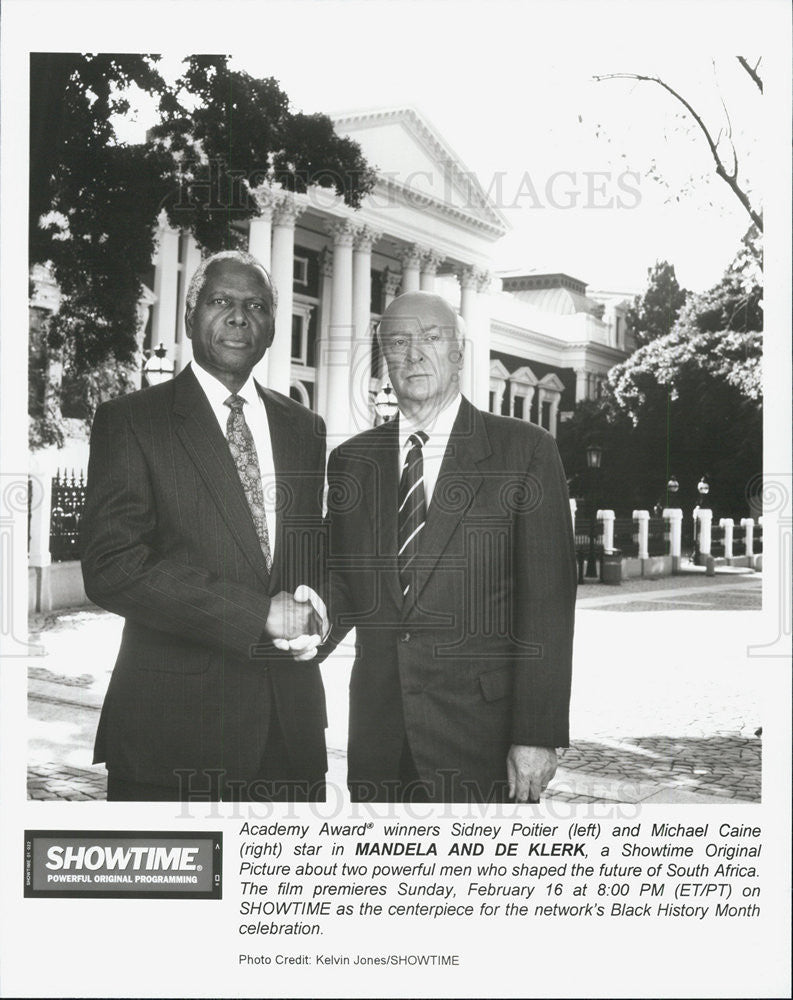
(480, 657)
(169, 543)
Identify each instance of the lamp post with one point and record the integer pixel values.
(158, 367)
(385, 403)
(594, 454)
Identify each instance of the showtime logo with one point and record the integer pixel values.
(136, 858)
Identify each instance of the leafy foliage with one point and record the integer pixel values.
(242, 134)
(688, 403)
(654, 313)
(94, 201)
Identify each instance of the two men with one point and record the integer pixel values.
(203, 518)
(451, 553)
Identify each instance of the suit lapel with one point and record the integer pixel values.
(286, 448)
(458, 482)
(199, 432)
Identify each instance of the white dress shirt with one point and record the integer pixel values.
(435, 448)
(256, 419)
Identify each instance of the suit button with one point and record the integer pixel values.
(405, 637)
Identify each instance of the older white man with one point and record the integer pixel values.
(451, 554)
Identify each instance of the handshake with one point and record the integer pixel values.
(298, 624)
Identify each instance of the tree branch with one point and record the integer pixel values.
(730, 177)
(752, 71)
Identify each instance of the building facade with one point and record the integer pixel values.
(536, 343)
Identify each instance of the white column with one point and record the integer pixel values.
(361, 366)
(429, 268)
(498, 394)
(391, 283)
(580, 385)
(675, 517)
(166, 270)
(643, 517)
(336, 357)
(260, 236)
(261, 227)
(40, 514)
(607, 517)
(183, 352)
(285, 214)
(727, 525)
(411, 262)
(747, 523)
(573, 508)
(527, 401)
(469, 277)
(481, 342)
(553, 416)
(325, 294)
(705, 516)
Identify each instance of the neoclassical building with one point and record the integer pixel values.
(536, 343)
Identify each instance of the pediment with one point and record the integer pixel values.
(552, 381)
(411, 157)
(498, 370)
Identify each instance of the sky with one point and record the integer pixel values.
(598, 179)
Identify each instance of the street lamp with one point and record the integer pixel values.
(158, 367)
(594, 454)
(385, 403)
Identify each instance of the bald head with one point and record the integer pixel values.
(422, 338)
(426, 308)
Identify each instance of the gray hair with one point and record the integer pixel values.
(198, 280)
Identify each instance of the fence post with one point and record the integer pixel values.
(675, 517)
(705, 518)
(643, 517)
(607, 517)
(727, 524)
(39, 559)
(748, 544)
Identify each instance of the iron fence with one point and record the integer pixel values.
(657, 537)
(68, 501)
(626, 537)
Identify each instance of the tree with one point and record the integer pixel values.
(653, 314)
(242, 134)
(719, 143)
(94, 200)
(91, 211)
(688, 403)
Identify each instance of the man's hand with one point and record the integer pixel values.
(529, 769)
(303, 647)
(289, 618)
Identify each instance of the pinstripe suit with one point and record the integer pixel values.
(169, 543)
(478, 656)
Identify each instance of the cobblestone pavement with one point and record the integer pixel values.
(691, 591)
(643, 729)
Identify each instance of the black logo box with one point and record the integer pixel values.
(129, 864)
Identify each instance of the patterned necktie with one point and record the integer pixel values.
(243, 451)
(412, 508)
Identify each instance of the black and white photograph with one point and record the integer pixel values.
(405, 471)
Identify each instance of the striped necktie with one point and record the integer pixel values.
(412, 508)
(243, 451)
